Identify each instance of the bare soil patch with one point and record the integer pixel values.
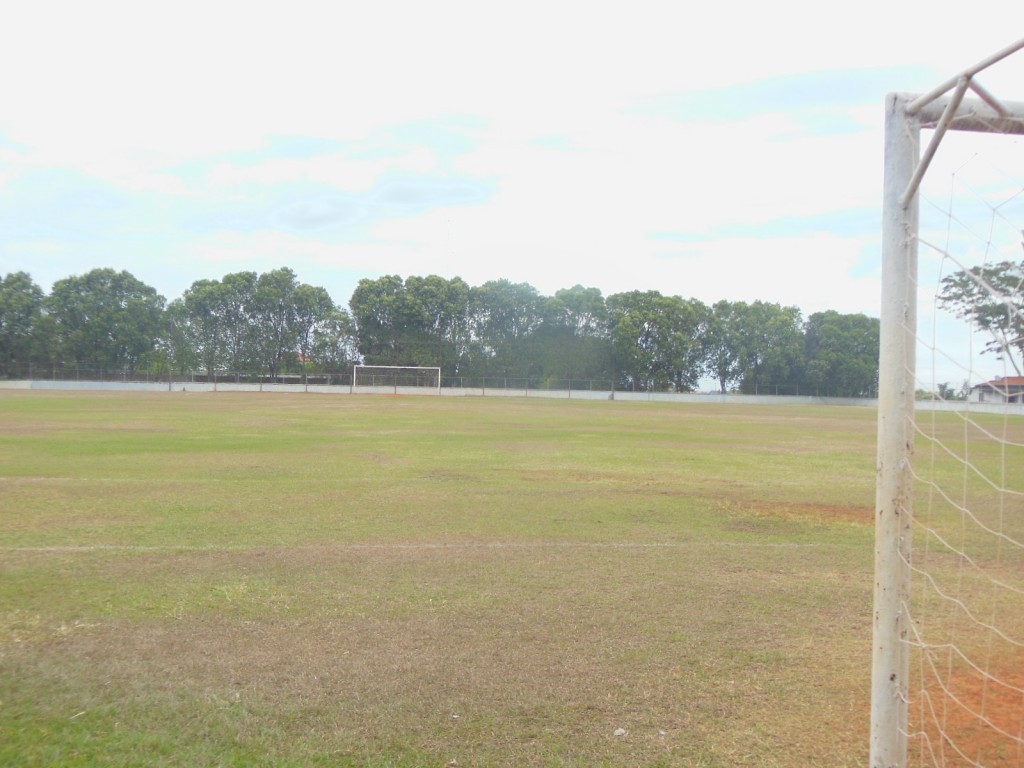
(827, 513)
(973, 718)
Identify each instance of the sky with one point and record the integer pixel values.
(711, 151)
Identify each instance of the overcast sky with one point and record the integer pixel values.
(708, 150)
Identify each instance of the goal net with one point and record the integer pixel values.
(397, 379)
(948, 635)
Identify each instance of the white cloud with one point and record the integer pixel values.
(178, 106)
(337, 169)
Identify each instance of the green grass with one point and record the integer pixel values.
(302, 580)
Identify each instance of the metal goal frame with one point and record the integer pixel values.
(943, 109)
(395, 386)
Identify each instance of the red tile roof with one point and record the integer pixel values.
(1003, 382)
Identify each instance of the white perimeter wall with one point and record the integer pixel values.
(563, 394)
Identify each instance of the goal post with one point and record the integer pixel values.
(899, 629)
(397, 379)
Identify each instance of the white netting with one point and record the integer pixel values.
(967, 563)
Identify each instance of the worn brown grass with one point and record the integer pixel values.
(716, 615)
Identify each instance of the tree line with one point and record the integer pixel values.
(249, 324)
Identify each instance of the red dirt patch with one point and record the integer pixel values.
(972, 719)
(822, 512)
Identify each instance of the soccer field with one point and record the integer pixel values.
(293, 580)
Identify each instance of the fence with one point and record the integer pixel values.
(344, 379)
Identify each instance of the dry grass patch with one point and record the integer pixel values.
(511, 655)
(310, 580)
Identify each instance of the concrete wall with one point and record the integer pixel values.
(562, 394)
(87, 386)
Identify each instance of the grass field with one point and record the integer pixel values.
(293, 580)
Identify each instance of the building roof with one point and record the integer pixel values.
(1002, 383)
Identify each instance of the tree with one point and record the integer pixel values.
(992, 298)
(105, 320)
(770, 346)
(378, 311)
(274, 321)
(217, 320)
(656, 340)
(436, 313)
(252, 323)
(841, 354)
(201, 321)
(234, 297)
(503, 316)
(581, 309)
(21, 309)
(313, 309)
(334, 345)
(573, 341)
(723, 346)
(176, 341)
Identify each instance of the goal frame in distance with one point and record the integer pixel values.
(395, 386)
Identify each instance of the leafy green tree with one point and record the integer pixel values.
(201, 322)
(105, 320)
(503, 316)
(21, 309)
(45, 349)
(274, 321)
(313, 308)
(583, 310)
(573, 341)
(249, 323)
(688, 362)
(217, 319)
(946, 392)
(723, 343)
(334, 346)
(378, 310)
(179, 347)
(436, 313)
(657, 340)
(235, 297)
(992, 298)
(771, 347)
(640, 339)
(841, 354)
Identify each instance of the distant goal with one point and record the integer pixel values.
(397, 379)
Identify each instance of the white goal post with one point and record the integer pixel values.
(909, 548)
(397, 379)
